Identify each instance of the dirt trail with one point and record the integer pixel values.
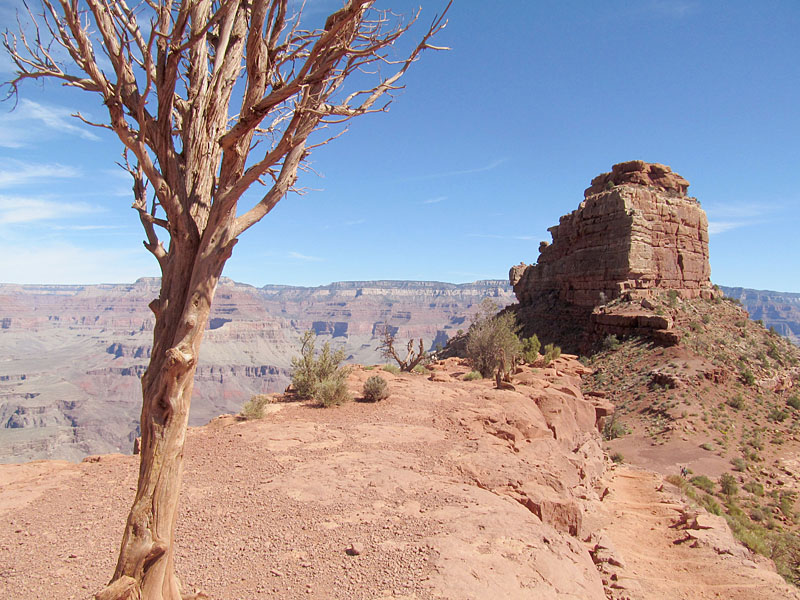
(639, 523)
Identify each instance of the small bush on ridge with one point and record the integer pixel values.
(375, 389)
(530, 349)
(332, 392)
(491, 338)
(551, 353)
(254, 408)
(728, 485)
(703, 482)
(610, 342)
(319, 376)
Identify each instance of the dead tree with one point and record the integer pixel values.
(208, 97)
(413, 357)
(502, 377)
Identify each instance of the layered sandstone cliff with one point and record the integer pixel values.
(71, 356)
(635, 234)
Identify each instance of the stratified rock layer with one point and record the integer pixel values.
(71, 356)
(636, 233)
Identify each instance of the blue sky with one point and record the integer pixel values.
(487, 146)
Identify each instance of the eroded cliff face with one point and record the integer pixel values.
(635, 234)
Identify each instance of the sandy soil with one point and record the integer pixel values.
(270, 508)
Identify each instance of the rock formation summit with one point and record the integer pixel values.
(636, 233)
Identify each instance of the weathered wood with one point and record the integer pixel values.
(189, 97)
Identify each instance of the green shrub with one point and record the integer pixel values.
(617, 457)
(777, 415)
(785, 551)
(706, 319)
(754, 488)
(492, 338)
(711, 505)
(737, 402)
(551, 353)
(610, 342)
(787, 505)
(375, 389)
(672, 295)
(748, 377)
(707, 446)
(394, 369)
(739, 464)
(678, 482)
(254, 408)
(794, 402)
(418, 369)
(310, 371)
(332, 391)
(703, 482)
(472, 376)
(530, 349)
(728, 485)
(613, 428)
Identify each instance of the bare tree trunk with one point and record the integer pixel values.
(175, 101)
(145, 568)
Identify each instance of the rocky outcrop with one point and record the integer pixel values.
(635, 234)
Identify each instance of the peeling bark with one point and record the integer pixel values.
(191, 96)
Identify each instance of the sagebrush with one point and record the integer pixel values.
(254, 408)
(375, 389)
(492, 339)
(320, 376)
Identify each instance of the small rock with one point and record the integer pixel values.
(354, 549)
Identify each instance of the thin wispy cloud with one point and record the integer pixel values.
(16, 172)
(435, 200)
(716, 227)
(732, 215)
(298, 256)
(355, 222)
(19, 209)
(31, 121)
(471, 171)
(739, 211)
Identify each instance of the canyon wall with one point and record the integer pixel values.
(71, 357)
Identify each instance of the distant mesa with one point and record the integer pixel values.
(635, 234)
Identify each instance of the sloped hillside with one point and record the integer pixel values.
(723, 402)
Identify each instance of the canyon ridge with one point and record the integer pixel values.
(658, 465)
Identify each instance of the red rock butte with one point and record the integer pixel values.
(635, 232)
